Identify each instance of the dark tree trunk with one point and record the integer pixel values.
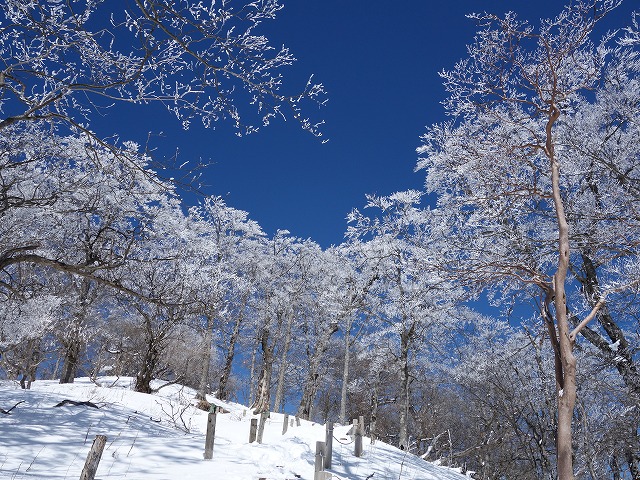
(403, 441)
(313, 377)
(633, 457)
(374, 411)
(620, 356)
(71, 360)
(223, 391)
(145, 374)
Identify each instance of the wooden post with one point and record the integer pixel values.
(319, 464)
(292, 422)
(253, 429)
(285, 424)
(211, 433)
(297, 420)
(93, 458)
(328, 445)
(263, 419)
(357, 448)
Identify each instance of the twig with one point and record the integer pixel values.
(34, 459)
(134, 442)
(8, 412)
(74, 403)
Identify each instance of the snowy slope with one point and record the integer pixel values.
(162, 437)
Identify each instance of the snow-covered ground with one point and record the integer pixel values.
(161, 436)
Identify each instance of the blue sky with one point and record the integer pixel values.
(379, 62)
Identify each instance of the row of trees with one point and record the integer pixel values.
(534, 189)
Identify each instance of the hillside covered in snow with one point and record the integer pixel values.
(162, 436)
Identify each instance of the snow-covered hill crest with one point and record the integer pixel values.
(161, 436)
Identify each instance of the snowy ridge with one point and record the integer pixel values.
(161, 436)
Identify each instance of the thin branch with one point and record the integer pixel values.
(588, 318)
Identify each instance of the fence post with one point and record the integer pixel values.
(328, 445)
(211, 433)
(319, 464)
(285, 424)
(297, 421)
(263, 419)
(357, 432)
(93, 458)
(253, 429)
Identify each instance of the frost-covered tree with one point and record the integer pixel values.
(67, 61)
(222, 239)
(320, 315)
(506, 181)
(273, 310)
(414, 304)
(66, 207)
(160, 270)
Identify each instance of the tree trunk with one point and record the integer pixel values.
(203, 384)
(634, 465)
(263, 391)
(403, 436)
(71, 360)
(566, 373)
(278, 403)
(223, 392)
(621, 357)
(145, 374)
(73, 336)
(252, 374)
(345, 372)
(374, 411)
(311, 385)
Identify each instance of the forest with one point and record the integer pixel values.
(489, 321)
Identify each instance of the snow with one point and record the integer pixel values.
(161, 436)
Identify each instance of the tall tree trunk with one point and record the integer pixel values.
(565, 359)
(223, 392)
(263, 391)
(34, 357)
(252, 374)
(403, 440)
(278, 403)
(374, 410)
(149, 361)
(615, 468)
(345, 372)
(73, 342)
(203, 384)
(311, 385)
(145, 374)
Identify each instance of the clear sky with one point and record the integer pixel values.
(379, 61)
